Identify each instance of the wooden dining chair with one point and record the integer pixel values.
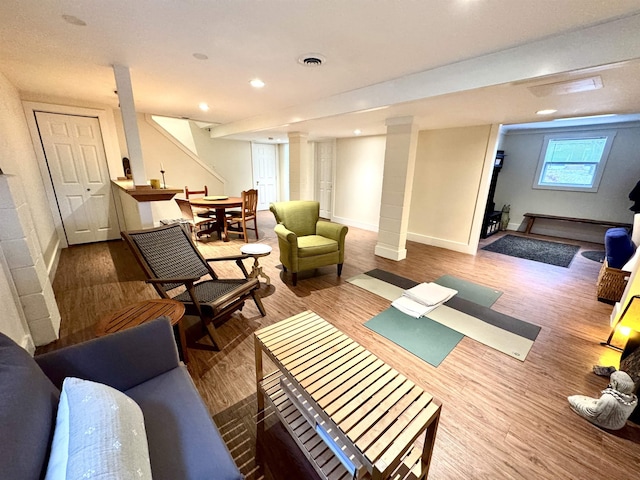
(240, 219)
(199, 211)
(198, 224)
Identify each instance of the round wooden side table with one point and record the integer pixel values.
(141, 312)
(257, 250)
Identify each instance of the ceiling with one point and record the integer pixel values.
(446, 63)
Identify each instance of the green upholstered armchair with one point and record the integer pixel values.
(305, 241)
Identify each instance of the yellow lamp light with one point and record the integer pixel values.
(629, 320)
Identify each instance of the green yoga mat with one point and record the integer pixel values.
(473, 292)
(423, 337)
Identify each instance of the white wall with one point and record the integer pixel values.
(610, 202)
(180, 169)
(358, 181)
(231, 159)
(17, 157)
(449, 180)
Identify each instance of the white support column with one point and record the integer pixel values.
(130, 123)
(397, 184)
(300, 167)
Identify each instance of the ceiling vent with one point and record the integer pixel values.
(311, 60)
(570, 86)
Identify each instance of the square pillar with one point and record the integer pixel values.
(300, 167)
(397, 184)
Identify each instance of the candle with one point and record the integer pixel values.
(161, 166)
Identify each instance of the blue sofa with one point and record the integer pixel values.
(142, 362)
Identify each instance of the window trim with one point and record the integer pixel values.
(608, 134)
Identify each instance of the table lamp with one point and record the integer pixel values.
(629, 319)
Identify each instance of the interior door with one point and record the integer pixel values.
(264, 173)
(78, 166)
(324, 186)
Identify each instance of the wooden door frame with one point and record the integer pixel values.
(109, 139)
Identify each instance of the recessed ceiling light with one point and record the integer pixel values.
(357, 131)
(548, 111)
(73, 20)
(200, 56)
(203, 106)
(257, 83)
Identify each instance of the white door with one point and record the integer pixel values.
(265, 167)
(324, 186)
(78, 166)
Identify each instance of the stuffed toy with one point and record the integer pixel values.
(613, 408)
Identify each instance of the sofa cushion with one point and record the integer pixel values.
(183, 440)
(313, 245)
(99, 433)
(29, 401)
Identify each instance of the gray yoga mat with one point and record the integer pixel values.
(426, 339)
(475, 319)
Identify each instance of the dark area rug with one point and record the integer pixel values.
(553, 253)
(595, 255)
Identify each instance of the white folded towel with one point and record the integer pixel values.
(430, 293)
(423, 298)
(411, 307)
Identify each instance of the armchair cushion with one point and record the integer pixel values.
(313, 245)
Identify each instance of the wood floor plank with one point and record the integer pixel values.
(501, 418)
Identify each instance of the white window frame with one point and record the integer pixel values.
(608, 134)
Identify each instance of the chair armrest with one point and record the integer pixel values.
(232, 257)
(332, 230)
(286, 235)
(121, 360)
(238, 259)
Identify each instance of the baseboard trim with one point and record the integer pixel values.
(52, 266)
(442, 243)
(354, 223)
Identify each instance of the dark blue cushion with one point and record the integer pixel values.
(184, 443)
(28, 404)
(618, 246)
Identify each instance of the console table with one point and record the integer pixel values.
(352, 415)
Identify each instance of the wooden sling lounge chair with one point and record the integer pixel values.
(170, 260)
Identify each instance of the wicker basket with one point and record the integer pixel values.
(611, 283)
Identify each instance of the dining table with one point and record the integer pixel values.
(219, 204)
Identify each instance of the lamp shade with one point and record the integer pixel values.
(631, 316)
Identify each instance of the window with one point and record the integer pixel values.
(573, 161)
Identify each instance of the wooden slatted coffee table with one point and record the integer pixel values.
(352, 415)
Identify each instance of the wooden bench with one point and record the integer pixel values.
(351, 414)
(531, 217)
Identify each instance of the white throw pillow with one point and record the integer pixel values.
(99, 434)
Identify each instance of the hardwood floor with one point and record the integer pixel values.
(501, 418)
